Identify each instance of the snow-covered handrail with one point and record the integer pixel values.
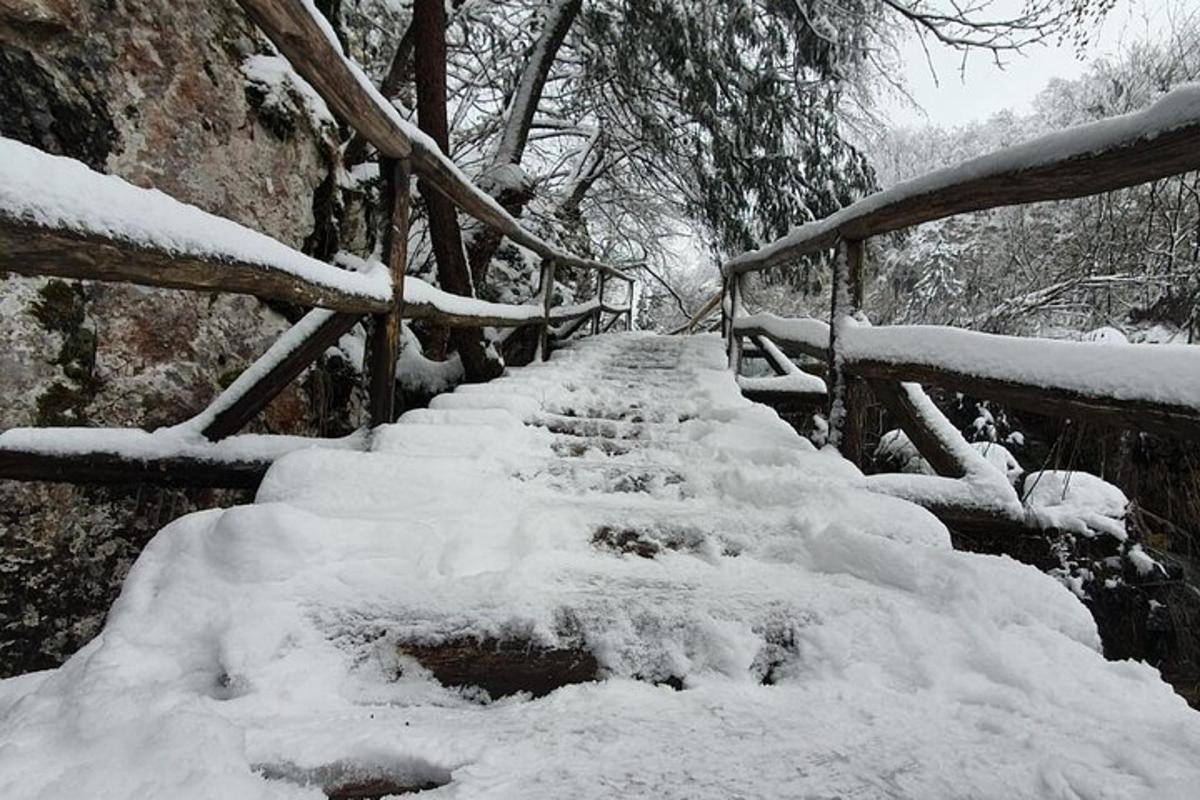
(166, 457)
(305, 38)
(59, 217)
(1146, 145)
(1140, 386)
(805, 335)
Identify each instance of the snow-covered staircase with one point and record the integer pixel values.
(608, 575)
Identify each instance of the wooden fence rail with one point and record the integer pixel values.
(1154, 388)
(207, 253)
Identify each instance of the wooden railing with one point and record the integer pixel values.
(1142, 387)
(67, 237)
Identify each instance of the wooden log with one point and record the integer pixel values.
(847, 395)
(792, 347)
(383, 348)
(1164, 419)
(1142, 156)
(28, 248)
(929, 442)
(110, 469)
(292, 29)
(756, 352)
(235, 416)
(300, 38)
(611, 322)
(787, 401)
(976, 522)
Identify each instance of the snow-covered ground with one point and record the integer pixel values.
(254, 652)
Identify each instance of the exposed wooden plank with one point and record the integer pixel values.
(1142, 156)
(106, 468)
(27, 248)
(383, 347)
(233, 418)
(290, 26)
(504, 667)
(1161, 418)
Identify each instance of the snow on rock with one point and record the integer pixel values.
(418, 373)
(1143, 562)
(1075, 501)
(278, 82)
(254, 650)
(897, 449)
(1000, 458)
(57, 192)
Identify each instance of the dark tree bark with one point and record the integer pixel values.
(480, 363)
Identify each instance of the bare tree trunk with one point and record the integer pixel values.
(515, 195)
(480, 363)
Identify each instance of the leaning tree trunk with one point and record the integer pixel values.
(514, 195)
(480, 362)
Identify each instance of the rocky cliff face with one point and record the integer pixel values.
(155, 91)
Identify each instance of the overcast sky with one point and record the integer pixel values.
(954, 99)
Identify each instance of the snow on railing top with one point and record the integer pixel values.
(1160, 373)
(1087, 159)
(55, 193)
(307, 40)
(811, 334)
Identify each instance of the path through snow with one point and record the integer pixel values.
(256, 649)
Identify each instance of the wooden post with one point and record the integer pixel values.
(629, 306)
(733, 342)
(599, 312)
(385, 332)
(547, 290)
(724, 309)
(847, 395)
